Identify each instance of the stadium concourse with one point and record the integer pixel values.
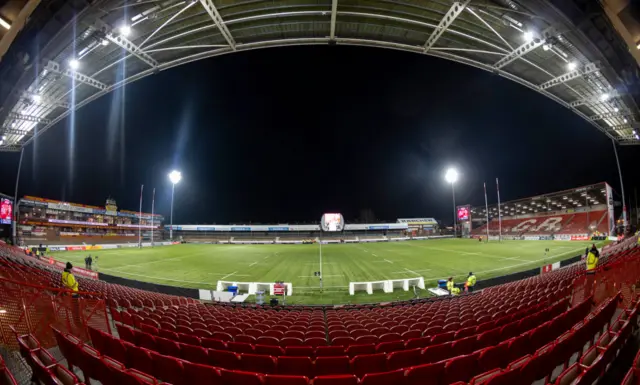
(564, 327)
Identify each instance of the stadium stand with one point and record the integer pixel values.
(559, 328)
(576, 223)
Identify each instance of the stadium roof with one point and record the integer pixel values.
(581, 197)
(68, 53)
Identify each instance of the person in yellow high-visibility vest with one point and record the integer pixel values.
(450, 285)
(69, 282)
(471, 282)
(592, 261)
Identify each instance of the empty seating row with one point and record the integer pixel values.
(360, 364)
(6, 378)
(44, 366)
(261, 369)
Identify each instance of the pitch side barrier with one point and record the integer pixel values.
(105, 246)
(324, 241)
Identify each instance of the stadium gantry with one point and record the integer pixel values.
(60, 55)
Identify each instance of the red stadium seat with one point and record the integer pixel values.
(224, 359)
(258, 363)
(329, 351)
(296, 366)
(168, 369)
(195, 373)
(426, 374)
(395, 377)
(461, 368)
(269, 350)
(344, 379)
(404, 359)
(276, 379)
(195, 354)
(388, 347)
(332, 365)
(369, 363)
(211, 343)
(299, 351)
(237, 377)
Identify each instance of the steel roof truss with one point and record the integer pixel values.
(45, 101)
(28, 118)
(611, 115)
(55, 67)
(217, 19)
(577, 73)
(132, 49)
(448, 19)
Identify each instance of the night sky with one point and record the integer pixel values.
(284, 134)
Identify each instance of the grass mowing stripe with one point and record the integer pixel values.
(201, 266)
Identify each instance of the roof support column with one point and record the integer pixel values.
(334, 14)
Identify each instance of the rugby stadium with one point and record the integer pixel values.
(534, 290)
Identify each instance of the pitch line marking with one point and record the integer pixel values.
(228, 275)
(255, 263)
(311, 276)
(516, 265)
(374, 255)
(413, 272)
(386, 260)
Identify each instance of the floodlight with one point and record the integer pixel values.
(104, 42)
(125, 30)
(451, 175)
(36, 98)
(1, 141)
(3, 311)
(175, 176)
(638, 46)
(625, 120)
(546, 47)
(604, 97)
(74, 64)
(528, 36)
(572, 65)
(5, 24)
(616, 109)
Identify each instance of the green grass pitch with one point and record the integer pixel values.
(201, 266)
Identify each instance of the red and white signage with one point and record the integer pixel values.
(579, 237)
(279, 289)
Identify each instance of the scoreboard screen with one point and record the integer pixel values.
(332, 222)
(6, 210)
(463, 213)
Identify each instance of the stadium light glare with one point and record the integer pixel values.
(528, 36)
(104, 42)
(36, 98)
(175, 176)
(616, 109)
(125, 30)
(604, 97)
(572, 65)
(451, 176)
(74, 64)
